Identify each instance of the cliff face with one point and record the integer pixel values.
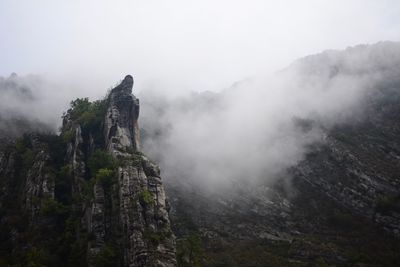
(121, 127)
(146, 227)
(96, 197)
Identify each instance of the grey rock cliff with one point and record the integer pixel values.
(142, 200)
(88, 197)
(121, 127)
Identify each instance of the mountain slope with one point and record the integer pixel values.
(338, 205)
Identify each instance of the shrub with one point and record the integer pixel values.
(23, 143)
(35, 257)
(190, 250)
(56, 148)
(63, 184)
(28, 158)
(105, 177)
(89, 115)
(146, 198)
(24, 149)
(68, 135)
(77, 108)
(387, 204)
(320, 262)
(107, 257)
(51, 207)
(343, 220)
(100, 159)
(77, 256)
(155, 237)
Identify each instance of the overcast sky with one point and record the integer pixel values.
(180, 45)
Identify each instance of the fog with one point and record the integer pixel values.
(248, 133)
(33, 103)
(255, 130)
(221, 99)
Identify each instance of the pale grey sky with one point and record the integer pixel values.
(180, 44)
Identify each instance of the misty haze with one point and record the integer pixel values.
(184, 133)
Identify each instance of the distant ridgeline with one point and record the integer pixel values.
(86, 197)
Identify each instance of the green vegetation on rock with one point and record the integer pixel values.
(51, 207)
(100, 159)
(388, 204)
(89, 115)
(105, 177)
(146, 198)
(107, 257)
(190, 250)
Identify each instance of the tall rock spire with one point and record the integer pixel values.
(143, 214)
(121, 122)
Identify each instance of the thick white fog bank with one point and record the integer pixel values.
(251, 131)
(259, 127)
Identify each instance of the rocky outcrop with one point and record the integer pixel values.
(121, 127)
(99, 200)
(76, 158)
(39, 184)
(28, 172)
(143, 208)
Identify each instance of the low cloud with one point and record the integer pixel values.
(259, 127)
(249, 132)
